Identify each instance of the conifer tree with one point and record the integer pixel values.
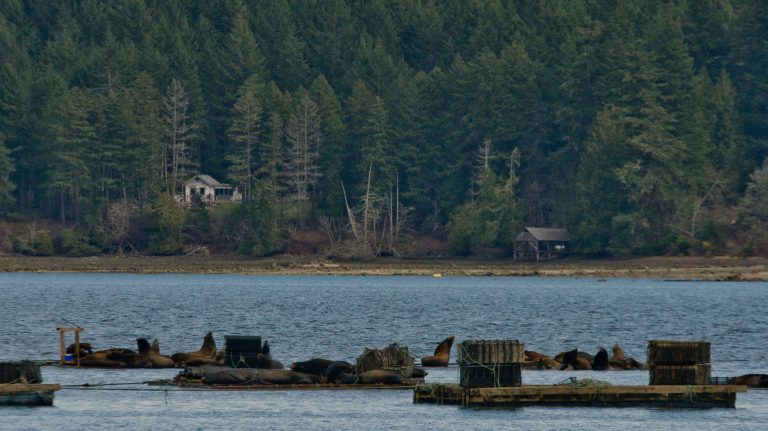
(245, 134)
(6, 185)
(71, 134)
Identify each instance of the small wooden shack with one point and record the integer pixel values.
(540, 243)
(209, 189)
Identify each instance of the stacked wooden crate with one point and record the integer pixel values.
(490, 363)
(394, 358)
(242, 351)
(679, 362)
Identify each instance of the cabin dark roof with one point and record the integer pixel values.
(543, 234)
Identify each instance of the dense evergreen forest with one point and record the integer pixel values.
(641, 126)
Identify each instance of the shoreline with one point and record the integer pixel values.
(668, 268)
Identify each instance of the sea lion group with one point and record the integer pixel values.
(576, 360)
(149, 356)
(325, 370)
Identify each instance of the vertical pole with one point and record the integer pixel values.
(77, 347)
(62, 349)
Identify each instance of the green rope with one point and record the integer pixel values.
(690, 394)
(493, 368)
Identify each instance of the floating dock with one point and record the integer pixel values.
(19, 394)
(198, 384)
(686, 396)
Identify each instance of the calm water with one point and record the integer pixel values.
(337, 317)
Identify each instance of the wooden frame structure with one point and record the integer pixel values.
(539, 243)
(63, 345)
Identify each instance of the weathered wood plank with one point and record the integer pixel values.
(12, 388)
(678, 395)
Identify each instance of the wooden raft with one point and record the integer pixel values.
(18, 394)
(701, 396)
(198, 384)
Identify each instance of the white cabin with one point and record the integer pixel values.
(210, 190)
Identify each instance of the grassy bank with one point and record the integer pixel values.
(678, 268)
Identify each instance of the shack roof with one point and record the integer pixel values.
(207, 179)
(543, 234)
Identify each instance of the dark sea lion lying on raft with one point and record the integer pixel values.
(207, 351)
(252, 376)
(231, 376)
(316, 366)
(372, 377)
(441, 356)
(751, 380)
(337, 368)
(119, 358)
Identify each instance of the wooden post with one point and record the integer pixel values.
(63, 344)
(77, 348)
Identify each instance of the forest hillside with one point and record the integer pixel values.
(351, 127)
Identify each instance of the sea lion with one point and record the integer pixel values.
(316, 366)
(600, 362)
(418, 373)
(621, 361)
(282, 377)
(336, 368)
(574, 358)
(85, 349)
(232, 376)
(618, 352)
(208, 350)
(380, 376)
(539, 361)
(198, 373)
(441, 356)
(158, 360)
(216, 360)
(346, 379)
(751, 380)
(264, 359)
(119, 358)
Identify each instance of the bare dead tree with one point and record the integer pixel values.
(179, 131)
(377, 222)
(302, 133)
(481, 165)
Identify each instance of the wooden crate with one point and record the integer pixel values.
(487, 352)
(490, 376)
(25, 371)
(668, 352)
(394, 358)
(699, 374)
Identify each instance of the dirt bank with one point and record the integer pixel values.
(678, 268)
